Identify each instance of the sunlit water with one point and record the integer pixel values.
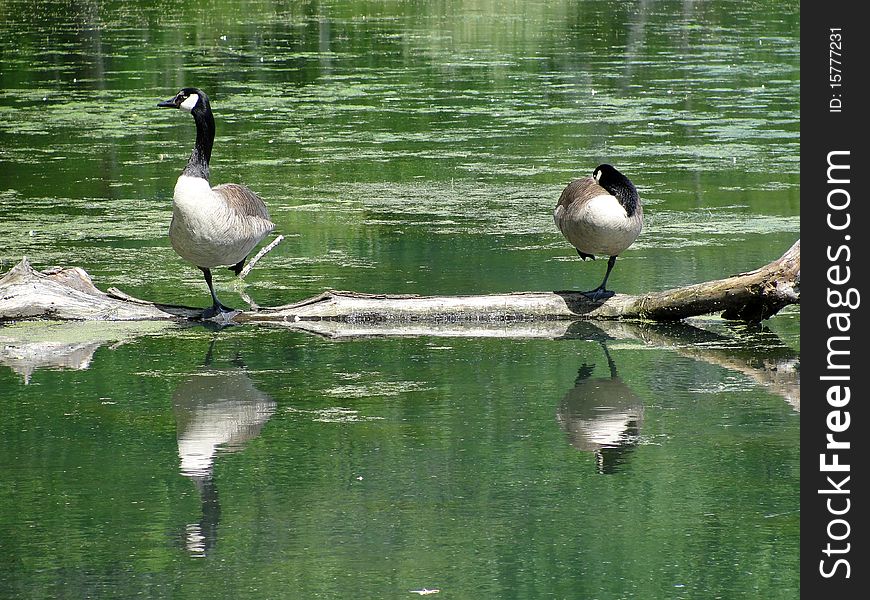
(408, 148)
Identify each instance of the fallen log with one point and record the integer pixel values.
(69, 294)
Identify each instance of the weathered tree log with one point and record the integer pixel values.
(69, 294)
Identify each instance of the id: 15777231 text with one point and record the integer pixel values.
(835, 69)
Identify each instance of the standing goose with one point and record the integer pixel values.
(601, 214)
(212, 226)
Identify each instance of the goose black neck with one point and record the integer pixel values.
(610, 364)
(197, 164)
(624, 191)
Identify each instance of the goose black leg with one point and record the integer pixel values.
(601, 292)
(217, 306)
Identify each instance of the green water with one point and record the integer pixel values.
(407, 147)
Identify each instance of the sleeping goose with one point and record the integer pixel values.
(601, 214)
(212, 226)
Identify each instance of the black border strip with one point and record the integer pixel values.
(835, 64)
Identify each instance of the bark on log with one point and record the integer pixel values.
(69, 294)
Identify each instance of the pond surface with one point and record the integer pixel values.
(402, 147)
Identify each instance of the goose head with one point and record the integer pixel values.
(192, 100)
(619, 186)
(195, 101)
(607, 174)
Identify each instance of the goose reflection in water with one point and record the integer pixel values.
(602, 415)
(216, 411)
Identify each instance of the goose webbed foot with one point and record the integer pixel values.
(599, 294)
(218, 312)
(237, 268)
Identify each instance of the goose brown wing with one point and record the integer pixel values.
(242, 200)
(578, 193)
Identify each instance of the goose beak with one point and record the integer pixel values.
(168, 103)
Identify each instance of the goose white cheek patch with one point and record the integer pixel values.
(190, 102)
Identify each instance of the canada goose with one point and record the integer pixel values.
(601, 214)
(212, 226)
